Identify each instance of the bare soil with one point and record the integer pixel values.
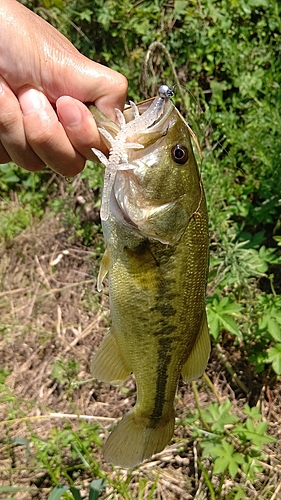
(51, 313)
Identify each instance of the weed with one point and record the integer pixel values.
(232, 447)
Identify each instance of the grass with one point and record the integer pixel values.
(54, 416)
(224, 58)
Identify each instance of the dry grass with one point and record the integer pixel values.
(51, 312)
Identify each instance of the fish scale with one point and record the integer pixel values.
(157, 251)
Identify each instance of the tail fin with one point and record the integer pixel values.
(132, 441)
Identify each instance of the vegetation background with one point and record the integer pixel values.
(225, 58)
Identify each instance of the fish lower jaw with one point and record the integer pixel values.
(144, 218)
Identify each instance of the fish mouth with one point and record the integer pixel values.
(159, 126)
(140, 127)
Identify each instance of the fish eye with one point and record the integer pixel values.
(179, 154)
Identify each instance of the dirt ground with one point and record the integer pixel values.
(52, 314)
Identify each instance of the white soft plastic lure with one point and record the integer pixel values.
(118, 156)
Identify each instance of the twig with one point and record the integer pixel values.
(196, 476)
(212, 387)
(33, 300)
(198, 406)
(276, 492)
(229, 368)
(65, 287)
(85, 332)
(57, 415)
(59, 322)
(161, 46)
(16, 290)
(207, 480)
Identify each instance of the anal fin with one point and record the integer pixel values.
(108, 364)
(197, 361)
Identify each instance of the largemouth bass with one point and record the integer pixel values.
(156, 232)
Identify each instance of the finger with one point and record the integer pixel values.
(80, 127)
(112, 91)
(46, 135)
(51, 64)
(87, 81)
(4, 157)
(12, 135)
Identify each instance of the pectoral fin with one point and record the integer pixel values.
(104, 268)
(198, 358)
(108, 364)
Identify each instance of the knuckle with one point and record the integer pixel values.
(39, 136)
(121, 85)
(8, 121)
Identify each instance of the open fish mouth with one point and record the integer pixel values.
(158, 125)
(136, 124)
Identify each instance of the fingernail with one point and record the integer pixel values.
(69, 114)
(31, 100)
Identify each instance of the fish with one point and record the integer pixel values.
(155, 225)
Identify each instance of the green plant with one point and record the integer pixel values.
(232, 447)
(80, 443)
(65, 372)
(221, 315)
(95, 487)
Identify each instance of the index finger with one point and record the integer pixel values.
(80, 127)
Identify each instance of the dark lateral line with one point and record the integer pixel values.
(163, 362)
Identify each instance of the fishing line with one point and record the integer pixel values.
(207, 125)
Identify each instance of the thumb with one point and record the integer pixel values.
(91, 82)
(35, 54)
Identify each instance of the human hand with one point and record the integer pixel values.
(43, 82)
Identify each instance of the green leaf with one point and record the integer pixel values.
(220, 314)
(180, 7)
(59, 4)
(95, 487)
(274, 329)
(230, 324)
(233, 468)
(233, 308)
(274, 357)
(60, 489)
(227, 459)
(219, 415)
(220, 465)
(256, 433)
(253, 412)
(214, 323)
(75, 493)
(263, 321)
(258, 3)
(57, 492)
